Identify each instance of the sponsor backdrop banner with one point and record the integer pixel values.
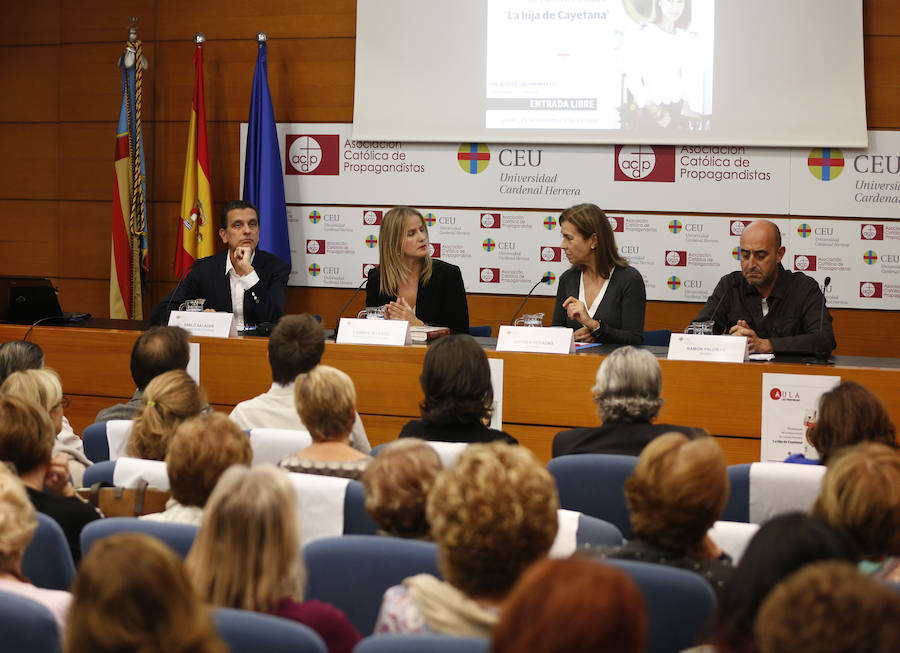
(507, 250)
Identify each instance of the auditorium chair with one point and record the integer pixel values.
(680, 604)
(658, 338)
(592, 483)
(356, 519)
(250, 632)
(422, 643)
(27, 625)
(179, 537)
(760, 491)
(47, 561)
(106, 440)
(126, 472)
(273, 445)
(352, 572)
(480, 331)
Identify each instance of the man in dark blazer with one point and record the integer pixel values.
(244, 280)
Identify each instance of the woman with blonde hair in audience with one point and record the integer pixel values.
(26, 442)
(247, 554)
(397, 483)
(491, 516)
(573, 605)
(132, 594)
(848, 414)
(167, 401)
(676, 493)
(860, 497)
(17, 525)
(202, 448)
(326, 402)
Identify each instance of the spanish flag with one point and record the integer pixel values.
(195, 233)
(129, 253)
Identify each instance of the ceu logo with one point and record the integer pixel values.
(805, 263)
(473, 157)
(872, 232)
(551, 278)
(551, 254)
(314, 270)
(871, 289)
(775, 393)
(674, 283)
(736, 253)
(675, 226)
(314, 217)
(430, 219)
(804, 230)
(676, 258)
(738, 226)
(368, 267)
(371, 241)
(315, 246)
(489, 275)
(870, 257)
(644, 163)
(488, 245)
(549, 223)
(372, 218)
(826, 163)
(312, 154)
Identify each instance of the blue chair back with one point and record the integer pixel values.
(47, 561)
(101, 472)
(480, 331)
(352, 572)
(96, 446)
(597, 532)
(658, 338)
(356, 519)
(249, 632)
(680, 604)
(420, 643)
(27, 626)
(592, 483)
(178, 536)
(738, 506)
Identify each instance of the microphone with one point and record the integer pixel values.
(729, 285)
(43, 319)
(175, 292)
(337, 321)
(822, 356)
(544, 279)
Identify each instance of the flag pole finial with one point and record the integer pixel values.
(199, 38)
(132, 28)
(261, 37)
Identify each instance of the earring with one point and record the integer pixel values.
(593, 247)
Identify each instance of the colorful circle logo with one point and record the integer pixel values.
(473, 157)
(371, 241)
(430, 219)
(870, 257)
(674, 283)
(775, 393)
(314, 269)
(314, 217)
(804, 230)
(549, 223)
(674, 226)
(488, 245)
(826, 163)
(551, 278)
(736, 253)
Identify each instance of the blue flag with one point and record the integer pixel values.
(263, 178)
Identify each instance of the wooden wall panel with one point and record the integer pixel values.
(94, 21)
(28, 161)
(30, 247)
(84, 239)
(29, 23)
(30, 82)
(881, 17)
(882, 81)
(86, 152)
(85, 296)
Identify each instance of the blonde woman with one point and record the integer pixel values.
(326, 401)
(17, 526)
(168, 400)
(409, 283)
(247, 554)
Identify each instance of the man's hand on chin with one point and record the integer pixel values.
(240, 259)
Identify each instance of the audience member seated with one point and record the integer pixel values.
(572, 606)
(860, 496)
(26, 441)
(848, 414)
(491, 516)
(18, 355)
(295, 347)
(157, 350)
(397, 483)
(168, 400)
(829, 607)
(459, 397)
(202, 448)
(677, 491)
(780, 547)
(17, 526)
(247, 554)
(326, 401)
(627, 394)
(132, 594)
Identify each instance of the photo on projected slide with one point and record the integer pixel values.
(599, 64)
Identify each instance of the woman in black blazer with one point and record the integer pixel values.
(600, 296)
(409, 283)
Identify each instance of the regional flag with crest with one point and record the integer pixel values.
(195, 222)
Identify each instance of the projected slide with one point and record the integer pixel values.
(599, 64)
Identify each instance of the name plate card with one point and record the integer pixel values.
(352, 331)
(538, 340)
(202, 323)
(719, 349)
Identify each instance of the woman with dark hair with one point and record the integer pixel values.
(780, 547)
(600, 296)
(408, 282)
(456, 380)
(848, 414)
